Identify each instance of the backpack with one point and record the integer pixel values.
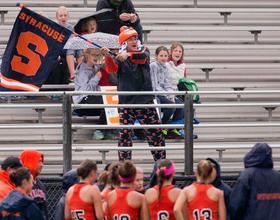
(186, 84)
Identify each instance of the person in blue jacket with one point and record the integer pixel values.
(68, 180)
(17, 205)
(256, 195)
(217, 182)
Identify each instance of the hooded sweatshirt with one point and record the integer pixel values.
(85, 80)
(6, 186)
(68, 180)
(30, 159)
(218, 183)
(256, 195)
(18, 206)
(160, 76)
(176, 72)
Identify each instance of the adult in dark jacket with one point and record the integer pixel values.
(17, 205)
(68, 180)
(218, 183)
(133, 71)
(123, 14)
(34, 161)
(256, 194)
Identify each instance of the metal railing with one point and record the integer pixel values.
(188, 105)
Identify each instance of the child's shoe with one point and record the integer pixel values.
(98, 135)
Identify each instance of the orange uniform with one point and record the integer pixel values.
(79, 208)
(163, 210)
(120, 209)
(104, 196)
(202, 207)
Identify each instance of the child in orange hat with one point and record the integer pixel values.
(133, 71)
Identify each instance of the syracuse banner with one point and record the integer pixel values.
(34, 46)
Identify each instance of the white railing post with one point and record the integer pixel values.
(67, 133)
(188, 112)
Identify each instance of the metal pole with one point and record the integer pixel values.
(188, 110)
(67, 133)
(195, 3)
(85, 3)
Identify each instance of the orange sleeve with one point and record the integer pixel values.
(111, 66)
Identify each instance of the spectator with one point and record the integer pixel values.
(132, 67)
(88, 77)
(89, 26)
(203, 200)
(9, 166)
(159, 200)
(176, 63)
(17, 205)
(68, 180)
(124, 200)
(123, 14)
(216, 181)
(62, 17)
(257, 190)
(138, 181)
(83, 200)
(34, 161)
(161, 81)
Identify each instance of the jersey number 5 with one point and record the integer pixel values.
(34, 63)
(206, 213)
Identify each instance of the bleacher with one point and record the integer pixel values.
(232, 56)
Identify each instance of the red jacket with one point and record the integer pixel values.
(6, 186)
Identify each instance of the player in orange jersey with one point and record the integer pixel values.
(83, 200)
(124, 202)
(159, 200)
(204, 201)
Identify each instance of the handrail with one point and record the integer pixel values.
(68, 126)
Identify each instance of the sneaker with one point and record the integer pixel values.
(111, 136)
(165, 134)
(72, 80)
(98, 135)
(174, 134)
(182, 132)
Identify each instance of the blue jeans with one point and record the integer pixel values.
(178, 113)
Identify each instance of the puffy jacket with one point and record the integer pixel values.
(133, 75)
(18, 206)
(176, 72)
(218, 183)
(256, 195)
(85, 80)
(68, 180)
(6, 186)
(160, 76)
(30, 160)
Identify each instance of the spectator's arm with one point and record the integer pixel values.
(100, 5)
(238, 200)
(130, 9)
(153, 74)
(168, 83)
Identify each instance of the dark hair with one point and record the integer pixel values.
(86, 167)
(204, 169)
(161, 174)
(102, 179)
(173, 46)
(161, 48)
(127, 169)
(114, 173)
(85, 23)
(16, 177)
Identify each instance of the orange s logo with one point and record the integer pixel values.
(34, 63)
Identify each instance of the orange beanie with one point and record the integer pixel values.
(126, 33)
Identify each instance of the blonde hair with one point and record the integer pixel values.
(173, 46)
(88, 51)
(61, 8)
(139, 170)
(204, 170)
